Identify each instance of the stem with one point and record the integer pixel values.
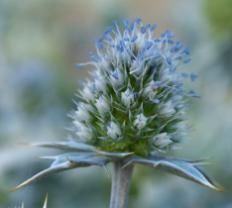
(121, 178)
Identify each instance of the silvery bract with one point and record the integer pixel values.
(132, 109)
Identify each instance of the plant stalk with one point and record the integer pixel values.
(121, 178)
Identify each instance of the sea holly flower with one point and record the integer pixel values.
(131, 111)
(140, 121)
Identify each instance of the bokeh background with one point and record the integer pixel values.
(40, 43)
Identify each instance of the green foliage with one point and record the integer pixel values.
(219, 14)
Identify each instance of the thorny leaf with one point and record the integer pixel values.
(182, 168)
(65, 162)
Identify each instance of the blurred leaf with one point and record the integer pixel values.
(44, 205)
(219, 13)
(45, 202)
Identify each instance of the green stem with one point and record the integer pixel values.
(121, 178)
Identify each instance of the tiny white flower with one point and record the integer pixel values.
(162, 140)
(150, 90)
(82, 113)
(102, 105)
(137, 67)
(113, 130)
(127, 97)
(89, 91)
(83, 132)
(140, 121)
(116, 77)
(168, 109)
(99, 81)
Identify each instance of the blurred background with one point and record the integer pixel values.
(40, 43)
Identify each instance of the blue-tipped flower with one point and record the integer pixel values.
(136, 93)
(133, 106)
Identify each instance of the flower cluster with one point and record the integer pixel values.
(135, 99)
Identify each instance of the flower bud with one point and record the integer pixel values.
(113, 130)
(102, 105)
(140, 121)
(116, 78)
(128, 97)
(83, 132)
(162, 140)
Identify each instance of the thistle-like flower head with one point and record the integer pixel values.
(133, 105)
(135, 100)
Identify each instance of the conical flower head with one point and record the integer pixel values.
(134, 101)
